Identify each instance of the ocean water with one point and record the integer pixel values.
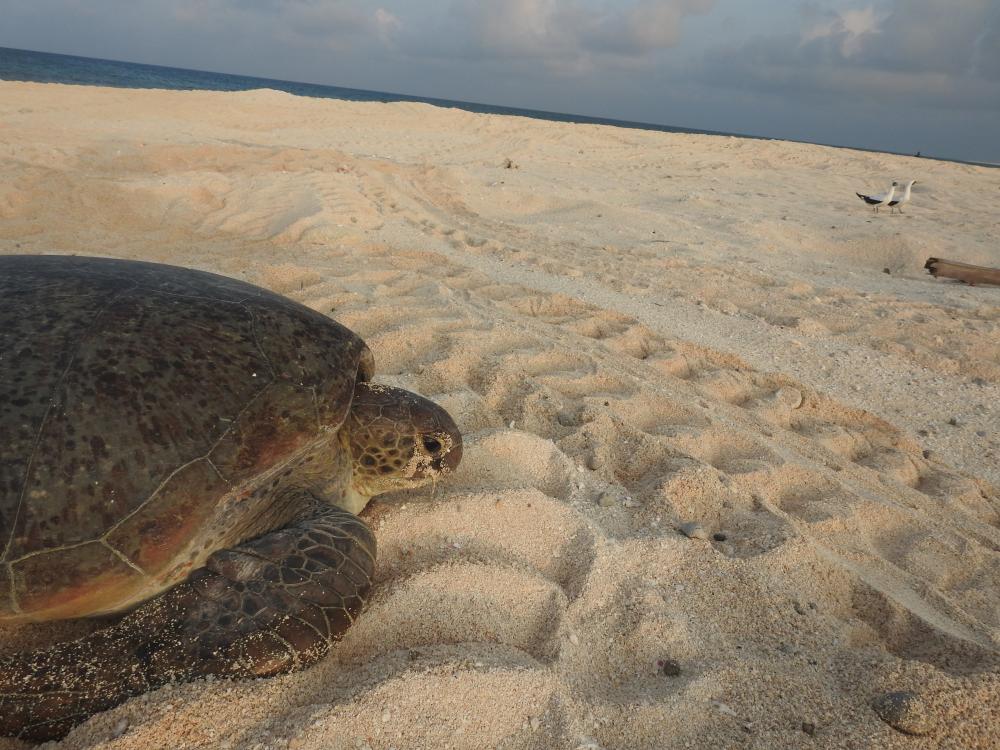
(45, 67)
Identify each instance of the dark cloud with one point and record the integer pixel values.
(338, 23)
(917, 52)
(232, 25)
(928, 36)
(564, 36)
(642, 28)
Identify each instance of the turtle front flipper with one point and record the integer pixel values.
(271, 605)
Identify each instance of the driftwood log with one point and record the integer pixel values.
(966, 272)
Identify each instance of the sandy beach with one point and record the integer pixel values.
(636, 331)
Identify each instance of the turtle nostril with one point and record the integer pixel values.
(432, 445)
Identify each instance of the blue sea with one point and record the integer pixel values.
(45, 67)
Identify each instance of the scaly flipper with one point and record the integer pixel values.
(271, 605)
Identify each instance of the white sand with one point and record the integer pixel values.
(634, 330)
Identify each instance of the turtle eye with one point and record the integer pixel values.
(432, 445)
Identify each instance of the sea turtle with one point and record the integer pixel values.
(189, 450)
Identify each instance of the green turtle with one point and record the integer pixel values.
(188, 452)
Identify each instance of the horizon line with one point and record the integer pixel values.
(478, 107)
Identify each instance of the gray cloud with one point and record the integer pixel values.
(918, 52)
(230, 24)
(933, 37)
(332, 23)
(564, 36)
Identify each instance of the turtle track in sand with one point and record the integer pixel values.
(552, 561)
(547, 578)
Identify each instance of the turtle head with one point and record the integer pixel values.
(398, 440)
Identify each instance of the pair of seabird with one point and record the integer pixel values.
(889, 199)
(897, 203)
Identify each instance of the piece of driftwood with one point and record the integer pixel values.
(966, 272)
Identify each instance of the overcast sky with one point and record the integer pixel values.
(902, 75)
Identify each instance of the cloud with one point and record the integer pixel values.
(233, 24)
(564, 36)
(917, 52)
(848, 28)
(334, 24)
(527, 36)
(641, 29)
(386, 22)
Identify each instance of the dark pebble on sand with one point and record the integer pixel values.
(904, 711)
(670, 667)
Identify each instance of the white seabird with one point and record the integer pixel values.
(879, 200)
(897, 203)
